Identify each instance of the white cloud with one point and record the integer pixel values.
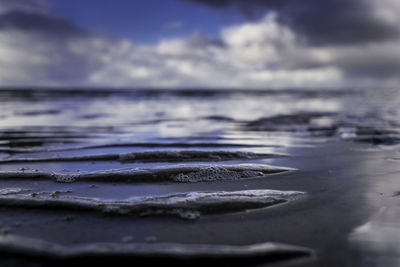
(260, 54)
(387, 11)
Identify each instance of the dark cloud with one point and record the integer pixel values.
(380, 64)
(34, 6)
(39, 23)
(46, 47)
(319, 21)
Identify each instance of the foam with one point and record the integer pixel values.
(214, 173)
(183, 205)
(12, 191)
(178, 173)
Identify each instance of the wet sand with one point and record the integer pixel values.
(343, 193)
(217, 173)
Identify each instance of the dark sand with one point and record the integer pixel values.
(345, 188)
(347, 216)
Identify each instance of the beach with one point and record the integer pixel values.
(293, 177)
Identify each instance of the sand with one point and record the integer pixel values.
(222, 186)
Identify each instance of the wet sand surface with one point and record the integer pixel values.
(219, 178)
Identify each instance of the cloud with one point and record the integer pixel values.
(325, 22)
(33, 6)
(39, 23)
(38, 48)
(270, 44)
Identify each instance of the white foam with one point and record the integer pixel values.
(178, 173)
(184, 205)
(214, 173)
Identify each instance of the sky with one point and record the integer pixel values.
(257, 44)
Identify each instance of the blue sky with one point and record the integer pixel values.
(257, 44)
(146, 21)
